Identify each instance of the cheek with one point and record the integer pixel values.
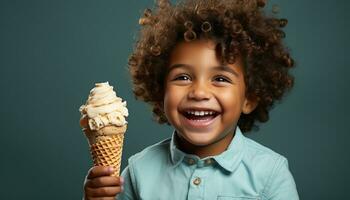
(231, 100)
(172, 98)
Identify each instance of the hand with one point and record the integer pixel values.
(99, 184)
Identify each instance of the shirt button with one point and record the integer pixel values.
(191, 161)
(197, 181)
(208, 161)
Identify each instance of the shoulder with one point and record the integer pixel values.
(152, 155)
(148, 160)
(153, 160)
(269, 167)
(257, 152)
(261, 160)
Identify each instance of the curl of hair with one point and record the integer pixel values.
(156, 51)
(283, 22)
(261, 3)
(240, 29)
(206, 27)
(189, 35)
(147, 17)
(163, 4)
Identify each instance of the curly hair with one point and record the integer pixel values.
(239, 27)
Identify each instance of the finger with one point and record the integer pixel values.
(104, 181)
(98, 171)
(103, 191)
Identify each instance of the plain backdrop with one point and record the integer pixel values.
(52, 53)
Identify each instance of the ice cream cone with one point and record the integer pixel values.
(103, 122)
(106, 146)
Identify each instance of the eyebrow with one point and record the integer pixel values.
(227, 69)
(216, 68)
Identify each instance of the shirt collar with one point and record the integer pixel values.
(229, 159)
(176, 154)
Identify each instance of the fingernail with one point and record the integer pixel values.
(121, 180)
(122, 188)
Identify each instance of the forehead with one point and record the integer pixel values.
(201, 53)
(194, 51)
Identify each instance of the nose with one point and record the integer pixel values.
(199, 91)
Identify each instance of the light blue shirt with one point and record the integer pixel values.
(246, 170)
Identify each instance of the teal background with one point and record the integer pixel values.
(52, 52)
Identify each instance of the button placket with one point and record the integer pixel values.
(197, 183)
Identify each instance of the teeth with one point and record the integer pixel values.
(200, 113)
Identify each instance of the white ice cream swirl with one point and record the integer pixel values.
(104, 108)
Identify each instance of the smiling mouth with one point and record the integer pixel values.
(196, 115)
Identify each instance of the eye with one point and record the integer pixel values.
(182, 77)
(222, 79)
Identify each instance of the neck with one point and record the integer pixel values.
(212, 149)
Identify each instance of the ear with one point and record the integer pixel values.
(249, 105)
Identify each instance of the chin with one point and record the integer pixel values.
(199, 140)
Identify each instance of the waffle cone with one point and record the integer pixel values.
(106, 146)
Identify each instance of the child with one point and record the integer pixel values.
(211, 69)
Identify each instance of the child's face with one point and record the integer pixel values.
(203, 98)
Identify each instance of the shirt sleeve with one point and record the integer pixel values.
(281, 185)
(128, 193)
